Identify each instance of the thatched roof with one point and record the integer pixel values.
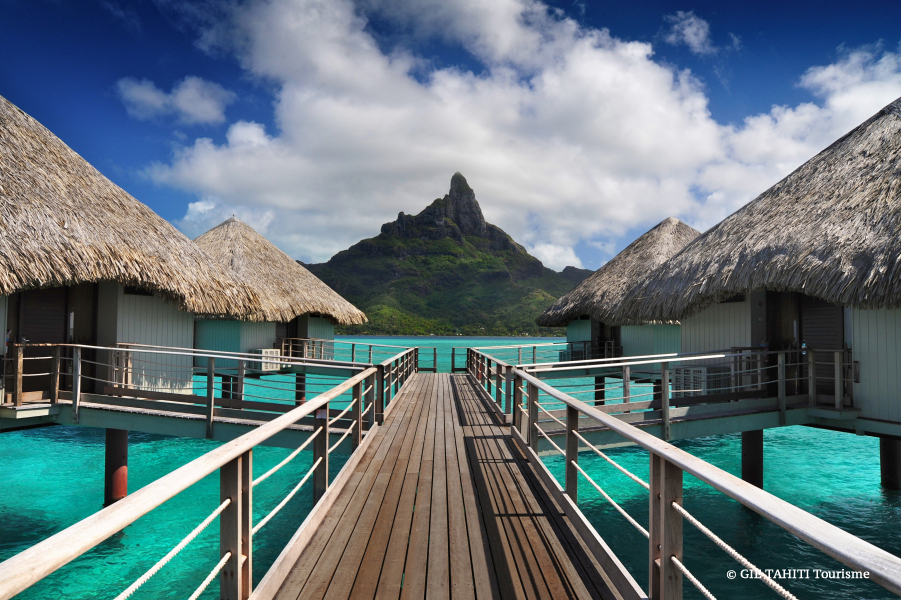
(829, 230)
(63, 223)
(600, 294)
(285, 288)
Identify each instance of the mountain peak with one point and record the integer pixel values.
(458, 183)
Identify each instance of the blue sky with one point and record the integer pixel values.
(579, 124)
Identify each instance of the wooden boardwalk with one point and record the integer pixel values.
(442, 505)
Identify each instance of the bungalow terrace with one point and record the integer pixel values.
(811, 266)
(82, 261)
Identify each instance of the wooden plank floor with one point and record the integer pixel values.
(442, 505)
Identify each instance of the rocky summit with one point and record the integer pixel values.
(444, 271)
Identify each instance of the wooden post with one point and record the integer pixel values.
(665, 529)
(210, 394)
(353, 353)
(76, 382)
(370, 400)
(20, 364)
(300, 388)
(811, 378)
(238, 389)
(627, 386)
(508, 387)
(356, 414)
(517, 404)
(115, 472)
(498, 385)
(839, 380)
(435, 359)
(752, 457)
(235, 527)
(453, 360)
(533, 416)
(54, 376)
(379, 407)
(370, 354)
(780, 369)
(320, 450)
(890, 462)
(572, 454)
(664, 400)
(534, 354)
(600, 391)
(760, 370)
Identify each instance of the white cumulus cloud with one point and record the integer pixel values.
(567, 134)
(193, 100)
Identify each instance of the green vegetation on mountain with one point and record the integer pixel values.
(446, 271)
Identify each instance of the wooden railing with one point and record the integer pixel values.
(354, 352)
(669, 562)
(371, 393)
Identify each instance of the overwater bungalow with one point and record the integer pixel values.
(83, 261)
(589, 312)
(294, 304)
(813, 266)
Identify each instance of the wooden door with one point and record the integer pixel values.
(823, 330)
(42, 320)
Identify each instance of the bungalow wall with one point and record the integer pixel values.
(717, 327)
(231, 336)
(578, 330)
(642, 340)
(876, 345)
(133, 316)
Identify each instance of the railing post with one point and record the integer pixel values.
(20, 364)
(370, 400)
(498, 384)
(533, 416)
(781, 387)
(235, 527)
(664, 399)
(76, 382)
(517, 403)
(210, 394)
(356, 414)
(453, 359)
(839, 379)
(811, 378)
(665, 529)
(435, 359)
(379, 407)
(627, 386)
(370, 354)
(416, 359)
(534, 354)
(320, 450)
(508, 387)
(238, 389)
(572, 454)
(519, 361)
(760, 370)
(54, 376)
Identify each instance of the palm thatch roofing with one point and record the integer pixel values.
(829, 230)
(285, 288)
(63, 223)
(601, 293)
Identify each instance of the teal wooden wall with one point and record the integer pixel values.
(643, 340)
(578, 331)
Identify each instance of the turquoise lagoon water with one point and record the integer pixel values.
(53, 477)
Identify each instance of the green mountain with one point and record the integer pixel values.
(446, 271)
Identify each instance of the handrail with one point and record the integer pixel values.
(595, 360)
(627, 363)
(519, 345)
(33, 564)
(195, 353)
(345, 342)
(884, 568)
